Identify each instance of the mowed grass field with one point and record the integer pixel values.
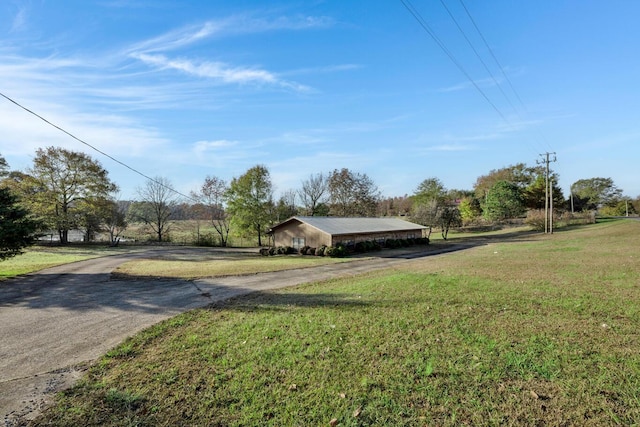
(40, 257)
(537, 330)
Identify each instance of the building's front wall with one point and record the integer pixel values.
(298, 234)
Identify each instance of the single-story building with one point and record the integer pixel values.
(315, 231)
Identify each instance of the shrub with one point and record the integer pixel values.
(335, 251)
(423, 240)
(303, 250)
(264, 251)
(535, 219)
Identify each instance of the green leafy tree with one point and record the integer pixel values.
(534, 193)
(504, 200)
(428, 190)
(63, 187)
(17, 227)
(449, 217)
(352, 194)
(593, 193)
(435, 206)
(158, 201)
(427, 214)
(469, 209)
(250, 201)
(519, 174)
(621, 208)
(4, 167)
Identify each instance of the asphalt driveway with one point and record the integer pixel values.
(55, 322)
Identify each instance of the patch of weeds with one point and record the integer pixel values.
(123, 400)
(123, 351)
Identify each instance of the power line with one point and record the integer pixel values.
(504, 74)
(407, 4)
(92, 147)
(492, 54)
(477, 54)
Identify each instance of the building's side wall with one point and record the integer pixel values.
(355, 238)
(284, 235)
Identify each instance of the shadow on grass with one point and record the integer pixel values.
(267, 301)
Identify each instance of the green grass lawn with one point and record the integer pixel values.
(537, 330)
(39, 257)
(221, 265)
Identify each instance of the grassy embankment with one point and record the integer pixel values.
(541, 330)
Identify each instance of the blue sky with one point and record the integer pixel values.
(186, 89)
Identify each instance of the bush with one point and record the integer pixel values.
(535, 219)
(303, 250)
(264, 251)
(336, 251)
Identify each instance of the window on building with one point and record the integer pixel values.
(297, 242)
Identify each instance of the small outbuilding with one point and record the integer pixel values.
(315, 231)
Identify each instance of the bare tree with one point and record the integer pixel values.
(286, 206)
(158, 201)
(116, 221)
(314, 193)
(211, 195)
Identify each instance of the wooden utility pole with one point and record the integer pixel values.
(548, 190)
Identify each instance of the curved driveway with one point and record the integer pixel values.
(54, 322)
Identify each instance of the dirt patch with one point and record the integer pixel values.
(34, 393)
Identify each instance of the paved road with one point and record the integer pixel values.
(55, 322)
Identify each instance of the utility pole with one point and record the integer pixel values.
(546, 159)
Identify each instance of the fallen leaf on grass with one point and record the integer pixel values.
(357, 412)
(333, 422)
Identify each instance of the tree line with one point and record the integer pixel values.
(66, 190)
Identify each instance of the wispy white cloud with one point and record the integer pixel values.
(201, 147)
(152, 52)
(482, 83)
(19, 20)
(220, 72)
(323, 70)
(230, 26)
(450, 147)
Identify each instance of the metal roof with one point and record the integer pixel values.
(338, 225)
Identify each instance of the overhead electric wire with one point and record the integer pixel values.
(407, 4)
(492, 54)
(92, 147)
(504, 74)
(455, 21)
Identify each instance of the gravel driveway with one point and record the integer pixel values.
(55, 322)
